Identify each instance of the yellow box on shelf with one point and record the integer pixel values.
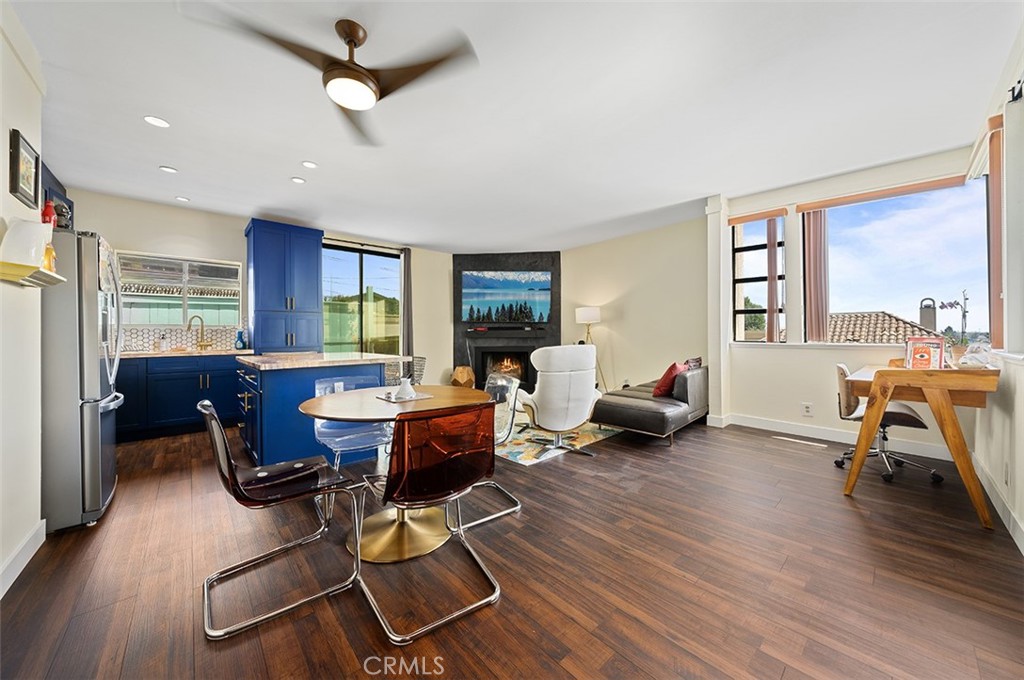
(28, 275)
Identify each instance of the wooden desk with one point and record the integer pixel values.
(394, 534)
(941, 389)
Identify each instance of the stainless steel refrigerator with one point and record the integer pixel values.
(82, 338)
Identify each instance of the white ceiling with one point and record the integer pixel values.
(581, 121)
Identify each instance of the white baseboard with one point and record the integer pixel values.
(14, 564)
(719, 421)
(937, 451)
(1012, 522)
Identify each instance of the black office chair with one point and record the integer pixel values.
(896, 413)
(264, 487)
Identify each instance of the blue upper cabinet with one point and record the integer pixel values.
(285, 287)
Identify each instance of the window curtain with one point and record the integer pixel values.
(772, 317)
(407, 301)
(995, 236)
(816, 276)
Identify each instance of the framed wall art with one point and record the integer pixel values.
(24, 170)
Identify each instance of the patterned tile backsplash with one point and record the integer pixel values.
(147, 338)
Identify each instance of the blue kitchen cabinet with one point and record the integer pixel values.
(286, 290)
(131, 382)
(288, 331)
(161, 393)
(279, 431)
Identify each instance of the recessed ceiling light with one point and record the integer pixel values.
(183, 199)
(298, 180)
(308, 164)
(156, 122)
(167, 168)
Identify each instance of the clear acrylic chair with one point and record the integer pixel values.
(342, 438)
(503, 389)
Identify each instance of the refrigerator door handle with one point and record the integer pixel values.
(112, 402)
(119, 315)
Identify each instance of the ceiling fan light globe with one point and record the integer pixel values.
(351, 89)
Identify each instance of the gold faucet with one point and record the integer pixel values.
(203, 342)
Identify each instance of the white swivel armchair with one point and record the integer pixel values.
(565, 394)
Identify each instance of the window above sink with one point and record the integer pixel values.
(164, 290)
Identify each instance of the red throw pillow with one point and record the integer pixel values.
(668, 380)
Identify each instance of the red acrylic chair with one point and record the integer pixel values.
(266, 486)
(436, 458)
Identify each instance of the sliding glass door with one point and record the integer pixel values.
(362, 301)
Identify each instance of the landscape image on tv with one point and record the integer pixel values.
(512, 297)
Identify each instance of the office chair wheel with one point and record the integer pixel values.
(936, 478)
(897, 462)
(887, 476)
(840, 463)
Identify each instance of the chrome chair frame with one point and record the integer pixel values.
(457, 530)
(354, 491)
(500, 438)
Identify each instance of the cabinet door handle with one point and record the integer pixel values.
(200, 381)
(207, 381)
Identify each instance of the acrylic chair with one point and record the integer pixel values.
(436, 458)
(267, 486)
(503, 390)
(343, 438)
(896, 413)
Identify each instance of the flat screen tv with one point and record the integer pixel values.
(506, 297)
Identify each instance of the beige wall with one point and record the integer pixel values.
(432, 324)
(21, 529)
(652, 291)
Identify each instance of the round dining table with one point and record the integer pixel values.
(395, 534)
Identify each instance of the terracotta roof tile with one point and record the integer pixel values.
(873, 328)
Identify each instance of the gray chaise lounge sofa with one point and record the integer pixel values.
(635, 408)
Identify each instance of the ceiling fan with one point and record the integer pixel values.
(355, 88)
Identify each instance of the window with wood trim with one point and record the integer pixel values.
(758, 281)
(879, 266)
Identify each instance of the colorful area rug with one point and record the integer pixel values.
(519, 449)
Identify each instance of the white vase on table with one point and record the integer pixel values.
(405, 390)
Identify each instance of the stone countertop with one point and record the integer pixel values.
(274, 362)
(184, 353)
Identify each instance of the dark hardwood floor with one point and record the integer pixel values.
(730, 554)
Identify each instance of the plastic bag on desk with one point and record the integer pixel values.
(978, 355)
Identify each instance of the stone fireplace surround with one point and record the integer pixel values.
(470, 344)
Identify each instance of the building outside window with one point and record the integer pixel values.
(758, 256)
(886, 257)
(362, 301)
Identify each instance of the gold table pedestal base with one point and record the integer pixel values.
(395, 535)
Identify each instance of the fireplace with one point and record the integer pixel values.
(512, 361)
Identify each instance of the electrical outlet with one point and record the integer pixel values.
(807, 409)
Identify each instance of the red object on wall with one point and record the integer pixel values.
(49, 214)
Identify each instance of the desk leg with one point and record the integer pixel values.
(949, 425)
(878, 399)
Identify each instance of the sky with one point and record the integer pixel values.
(341, 273)
(887, 255)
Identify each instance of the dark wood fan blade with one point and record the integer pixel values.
(315, 58)
(391, 79)
(357, 120)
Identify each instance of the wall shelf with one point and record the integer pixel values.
(28, 275)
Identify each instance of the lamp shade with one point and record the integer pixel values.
(588, 315)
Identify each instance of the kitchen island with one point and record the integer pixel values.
(271, 387)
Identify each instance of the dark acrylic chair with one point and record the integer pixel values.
(436, 458)
(266, 486)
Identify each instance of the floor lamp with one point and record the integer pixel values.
(588, 316)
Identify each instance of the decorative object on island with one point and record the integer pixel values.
(463, 376)
(588, 316)
(24, 170)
